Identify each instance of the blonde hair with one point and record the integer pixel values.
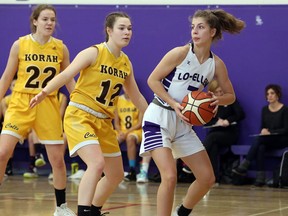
(213, 85)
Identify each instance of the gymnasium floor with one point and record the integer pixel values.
(34, 197)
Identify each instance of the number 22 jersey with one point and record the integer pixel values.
(38, 64)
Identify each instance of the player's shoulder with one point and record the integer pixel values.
(181, 50)
(218, 61)
(179, 53)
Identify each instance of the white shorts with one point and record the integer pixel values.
(162, 128)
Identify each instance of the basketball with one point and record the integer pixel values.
(197, 108)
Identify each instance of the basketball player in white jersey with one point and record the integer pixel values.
(166, 133)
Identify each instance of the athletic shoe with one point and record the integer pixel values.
(77, 175)
(186, 169)
(31, 173)
(50, 176)
(239, 171)
(39, 160)
(155, 178)
(175, 213)
(142, 177)
(131, 176)
(9, 168)
(63, 210)
(105, 213)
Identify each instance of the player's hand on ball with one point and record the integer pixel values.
(214, 102)
(178, 109)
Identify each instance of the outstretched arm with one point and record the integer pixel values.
(81, 61)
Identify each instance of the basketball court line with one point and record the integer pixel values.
(269, 212)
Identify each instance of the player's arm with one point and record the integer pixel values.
(171, 60)
(10, 70)
(81, 61)
(65, 63)
(133, 92)
(221, 75)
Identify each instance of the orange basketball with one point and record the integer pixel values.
(197, 108)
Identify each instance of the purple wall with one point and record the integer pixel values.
(254, 58)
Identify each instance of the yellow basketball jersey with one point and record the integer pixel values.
(127, 112)
(38, 64)
(99, 85)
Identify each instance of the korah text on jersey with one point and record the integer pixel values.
(128, 109)
(113, 71)
(41, 57)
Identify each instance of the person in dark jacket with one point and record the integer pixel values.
(273, 134)
(223, 129)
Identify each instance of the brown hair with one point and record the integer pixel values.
(221, 21)
(36, 12)
(276, 88)
(111, 19)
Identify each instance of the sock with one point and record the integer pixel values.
(182, 211)
(84, 210)
(145, 167)
(95, 210)
(60, 196)
(244, 165)
(132, 163)
(32, 161)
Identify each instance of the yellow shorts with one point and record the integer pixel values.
(45, 119)
(83, 128)
(136, 133)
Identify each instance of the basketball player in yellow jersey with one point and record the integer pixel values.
(104, 69)
(127, 122)
(36, 58)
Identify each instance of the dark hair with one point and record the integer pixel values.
(276, 88)
(221, 21)
(111, 19)
(36, 12)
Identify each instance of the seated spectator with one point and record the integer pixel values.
(273, 134)
(224, 130)
(127, 123)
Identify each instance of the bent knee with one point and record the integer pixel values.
(169, 179)
(207, 180)
(97, 166)
(4, 156)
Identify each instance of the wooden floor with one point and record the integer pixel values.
(35, 197)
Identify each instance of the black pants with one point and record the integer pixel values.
(262, 144)
(214, 142)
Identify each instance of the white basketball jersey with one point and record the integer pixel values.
(188, 76)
